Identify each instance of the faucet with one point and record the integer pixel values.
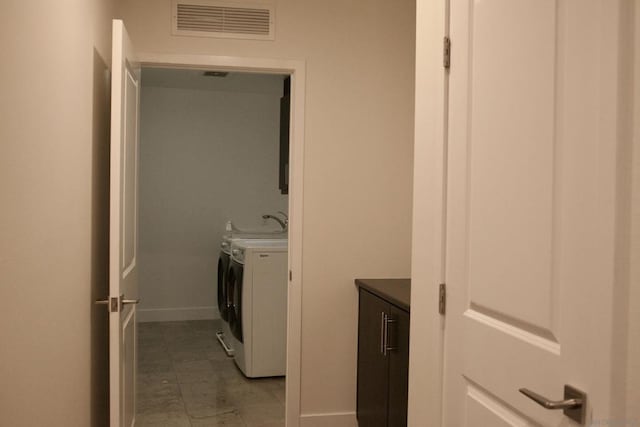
(284, 223)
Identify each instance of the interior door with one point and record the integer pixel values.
(123, 275)
(530, 190)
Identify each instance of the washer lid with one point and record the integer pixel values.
(261, 243)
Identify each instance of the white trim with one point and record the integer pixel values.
(426, 355)
(297, 70)
(337, 419)
(173, 314)
(129, 321)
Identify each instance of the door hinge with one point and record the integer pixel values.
(290, 275)
(446, 53)
(442, 299)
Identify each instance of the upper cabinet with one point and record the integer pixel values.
(285, 113)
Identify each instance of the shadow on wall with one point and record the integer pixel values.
(100, 242)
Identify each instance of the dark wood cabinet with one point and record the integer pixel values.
(383, 359)
(399, 368)
(373, 366)
(285, 114)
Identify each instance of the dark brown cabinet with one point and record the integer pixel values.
(285, 113)
(383, 360)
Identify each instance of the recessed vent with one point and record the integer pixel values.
(215, 74)
(230, 20)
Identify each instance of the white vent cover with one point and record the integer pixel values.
(238, 20)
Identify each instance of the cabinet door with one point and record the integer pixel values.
(285, 113)
(398, 367)
(372, 364)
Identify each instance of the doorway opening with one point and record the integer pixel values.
(187, 200)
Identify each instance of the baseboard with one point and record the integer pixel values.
(341, 419)
(177, 313)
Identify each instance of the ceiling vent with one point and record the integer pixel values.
(238, 20)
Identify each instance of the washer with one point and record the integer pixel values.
(258, 313)
(224, 262)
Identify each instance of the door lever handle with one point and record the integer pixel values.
(113, 303)
(574, 404)
(551, 404)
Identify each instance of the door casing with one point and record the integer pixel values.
(296, 68)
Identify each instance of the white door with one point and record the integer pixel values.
(123, 240)
(530, 211)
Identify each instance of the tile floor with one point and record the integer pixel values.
(186, 379)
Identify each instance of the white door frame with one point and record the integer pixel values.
(296, 68)
(426, 347)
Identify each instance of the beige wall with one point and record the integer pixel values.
(633, 348)
(358, 160)
(53, 179)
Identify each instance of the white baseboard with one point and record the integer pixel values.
(341, 419)
(177, 313)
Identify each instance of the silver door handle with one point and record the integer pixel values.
(574, 404)
(111, 303)
(383, 343)
(124, 301)
(551, 404)
(385, 319)
(388, 319)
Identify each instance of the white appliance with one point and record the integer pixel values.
(224, 262)
(258, 315)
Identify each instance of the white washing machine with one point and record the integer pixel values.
(258, 314)
(224, 261)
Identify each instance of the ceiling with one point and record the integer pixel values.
(196, 80)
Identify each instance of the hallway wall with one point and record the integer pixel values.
(633, 321)
(54, 161)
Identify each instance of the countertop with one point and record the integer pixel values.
(396, 291)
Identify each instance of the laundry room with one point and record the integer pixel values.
(212, 171)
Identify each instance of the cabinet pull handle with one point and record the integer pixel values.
(383, 333)
(387, 319)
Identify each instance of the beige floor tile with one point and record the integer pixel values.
(163, 420)
(253, 414)
(186, 379)
(226, 419)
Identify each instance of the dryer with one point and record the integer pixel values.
(258, 314)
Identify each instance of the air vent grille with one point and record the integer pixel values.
(211, 19)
